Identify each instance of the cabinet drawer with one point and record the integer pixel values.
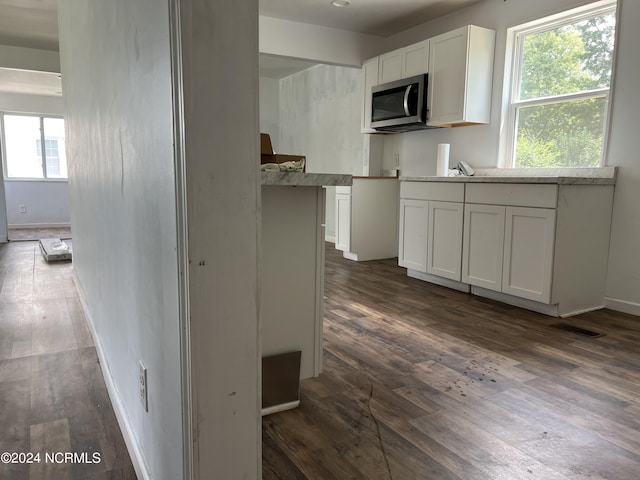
(343, 190)
(438, 191)
(517, 195)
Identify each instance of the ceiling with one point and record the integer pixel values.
(29, 23)
(33, 24)
(373, 17)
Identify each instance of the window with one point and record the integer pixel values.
(22, 140)
(557, 113)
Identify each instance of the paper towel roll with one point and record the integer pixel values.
(442, 160)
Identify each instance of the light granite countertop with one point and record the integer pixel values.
(294, 179)
(560, 176)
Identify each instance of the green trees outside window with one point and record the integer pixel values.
(562, 91)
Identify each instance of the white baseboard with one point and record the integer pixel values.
(15, 226)
(330, 238)
(350, 256)
(623, 306)
(137, 459)
(573, 313)
(280, 408)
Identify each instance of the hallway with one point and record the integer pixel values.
(52, 394)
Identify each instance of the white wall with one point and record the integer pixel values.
(220, 73)
(478, 145)
(623, 282)
(117, 87)
(47, 203)
(270, 109)
(317, 43)
(320, 118)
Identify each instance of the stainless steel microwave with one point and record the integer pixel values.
(400, 106)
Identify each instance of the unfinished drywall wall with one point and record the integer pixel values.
(320, 118)
(117, 87)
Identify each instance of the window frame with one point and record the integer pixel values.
(3, 151)
(513, 72)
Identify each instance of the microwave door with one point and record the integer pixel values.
(396, 104)
(390, 104)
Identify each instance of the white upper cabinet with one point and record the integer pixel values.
(370, 70)
(415, 59)
(404, 62)
(390, 67)
(460, 76)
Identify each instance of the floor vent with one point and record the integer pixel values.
(578, 330)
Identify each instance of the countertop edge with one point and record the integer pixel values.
(559, 176)
(296, 179)
(521, 180)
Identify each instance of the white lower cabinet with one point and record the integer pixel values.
(412, 248)
(527, 267)
(444, 239)
(509, 250)
(343, 221)
(483, 245)
(539, 246)
(367, 218)
(431, 228)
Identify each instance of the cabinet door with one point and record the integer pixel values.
(444, 239)
(483, 245)
(343, 222)
(528, 252)
(447, 76)
(390, 67)
(370, 69)
(412, 248)
(415, 59)
(460, 76)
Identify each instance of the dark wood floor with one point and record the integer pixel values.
(422, 382)
(52, 394)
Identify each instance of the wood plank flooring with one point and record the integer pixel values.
(52, 393)
(422, 382)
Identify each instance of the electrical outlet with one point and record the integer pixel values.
(396, 159)
(23, 209)
(142, 385)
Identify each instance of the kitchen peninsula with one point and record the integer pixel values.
(292, 278)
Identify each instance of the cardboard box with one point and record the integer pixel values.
(267, 155)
